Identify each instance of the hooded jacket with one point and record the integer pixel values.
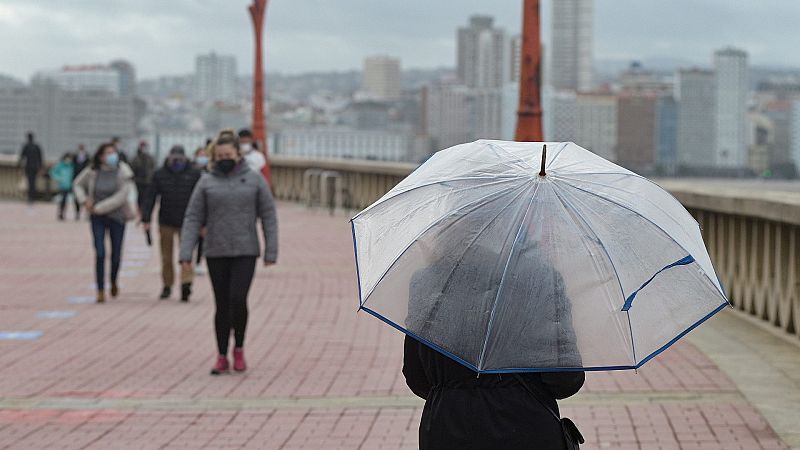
(174, 188)
(229, 205)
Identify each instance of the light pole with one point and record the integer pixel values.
(257, 10)
(529, 113)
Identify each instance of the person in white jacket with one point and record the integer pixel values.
(250, 152)
(104, 189)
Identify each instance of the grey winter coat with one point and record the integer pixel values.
(228, 206)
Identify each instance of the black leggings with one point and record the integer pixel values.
(231, 279)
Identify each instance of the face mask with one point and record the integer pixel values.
(246, 147)
(202, 160)
(225, 165)
(112, 160)
(178, 165)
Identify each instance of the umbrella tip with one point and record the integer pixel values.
(544, 160)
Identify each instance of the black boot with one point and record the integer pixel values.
(165, 293)
(186, 291)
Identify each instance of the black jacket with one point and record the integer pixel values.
(464, 411)
(175, 189)
(143, 166)
(32, 155)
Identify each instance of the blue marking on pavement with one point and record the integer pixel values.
(20, 335)
(81, 299)
(56, 314)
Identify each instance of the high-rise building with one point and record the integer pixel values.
(596, 123)
(448, 114)
(794, 135)
(731, 86)
(562, 113)
(779, 112)
(761, 139)
(61, 119)
(87, 77)
(215, 77)
(127, 77)
(382, 77)
(667, 134)
(694, 91)
(515, 59)
(636, 127)
(483, 56)
(571, 45)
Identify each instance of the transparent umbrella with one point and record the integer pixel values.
(528, 256)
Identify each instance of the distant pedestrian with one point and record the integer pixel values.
(201, 159)
(201, 164)
(80, 161)
(172, 184)
(103, 189)
(250, 151)
(143, 166)
(228, 201)
(63, 172)
(32, 160)
(123, 157)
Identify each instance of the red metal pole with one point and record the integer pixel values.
(529, 114)
(257, 10)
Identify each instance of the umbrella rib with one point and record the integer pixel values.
(569, 206)
(422, 205)
(471, 204)
(380, 201)
(558, 153)
(651, 222)
(495, 147)
(503, 277)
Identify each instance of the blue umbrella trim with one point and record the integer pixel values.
(681, 262)
(544, 369)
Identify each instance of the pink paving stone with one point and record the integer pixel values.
(305, 339)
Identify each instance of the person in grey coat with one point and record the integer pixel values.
(228, 201)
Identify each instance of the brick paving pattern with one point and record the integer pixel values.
(133, 373)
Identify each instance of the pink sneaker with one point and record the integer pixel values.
(221, 366)
(238, 360)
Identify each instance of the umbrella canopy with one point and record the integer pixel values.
(586, 267)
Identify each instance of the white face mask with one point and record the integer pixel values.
(246, 147)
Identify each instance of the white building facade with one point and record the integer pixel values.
(731, 86)
(571, 45)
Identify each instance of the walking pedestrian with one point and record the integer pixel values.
(172, 185)
(143, 166)
(80, 162)
(228, 201)
(63, 172)
(103, 189)
(31, 159)
(255, 159)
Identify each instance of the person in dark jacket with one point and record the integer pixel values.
(173, 184)
(229, 201)
(466, 411)
(31, 159)
(143, 166)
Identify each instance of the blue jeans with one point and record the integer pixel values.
(117, 232)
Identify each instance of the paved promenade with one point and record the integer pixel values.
(133, 373)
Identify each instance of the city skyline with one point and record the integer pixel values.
(338, 37)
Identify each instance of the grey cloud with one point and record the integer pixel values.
(162, 37)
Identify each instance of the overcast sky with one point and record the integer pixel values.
(163, 36)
